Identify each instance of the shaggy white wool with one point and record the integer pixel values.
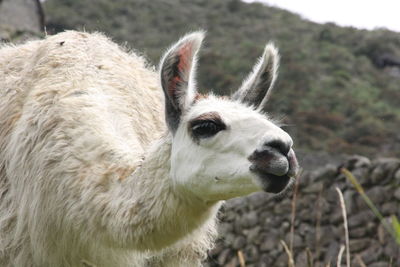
(90, 173)
(76, 115)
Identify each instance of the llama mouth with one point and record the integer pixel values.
(275, 176)
(272, 183)
(275, 184)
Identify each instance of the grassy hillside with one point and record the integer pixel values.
(335, 91)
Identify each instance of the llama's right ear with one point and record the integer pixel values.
(256, 88)
(177, 69)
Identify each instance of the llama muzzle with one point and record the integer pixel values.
(275, 163)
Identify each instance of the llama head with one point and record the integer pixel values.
(223, 147)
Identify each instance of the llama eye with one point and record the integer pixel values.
(206, 129)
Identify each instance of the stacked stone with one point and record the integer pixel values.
(255, 225)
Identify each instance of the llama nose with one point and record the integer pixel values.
(271, 158)
(280, 145)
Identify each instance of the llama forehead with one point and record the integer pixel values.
(229, 111)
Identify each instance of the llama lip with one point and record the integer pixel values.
(271, 183)
(273, 168)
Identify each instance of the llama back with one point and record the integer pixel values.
(75, 107)
(74, 63)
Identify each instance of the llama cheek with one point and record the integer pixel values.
(222, 186)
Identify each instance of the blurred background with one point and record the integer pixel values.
(337, 93)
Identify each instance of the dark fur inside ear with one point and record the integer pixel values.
(256, 88)
(173, 85)
(260, 86)
(176, 70)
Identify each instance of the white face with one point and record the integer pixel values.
(218, 167)
(223, 148)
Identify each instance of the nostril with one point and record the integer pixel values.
(279, 145)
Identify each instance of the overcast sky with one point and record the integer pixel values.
(365, 14)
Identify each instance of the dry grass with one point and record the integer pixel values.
(289, 254)
(339, 257)
(360, 261)
(242, 262)
(310, 260)
(346, 228)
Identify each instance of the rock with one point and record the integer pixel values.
(234, 203)
(253, 235)
(232, 262)
(285, 226)
(224, 228)
(349, 200)
(313, 188)
(336, 216)
(397, 176)
(251, 254)
(281, 261)
(229, 216)
(360, 218)
(222, 258)
(384, 169)
(326, 173)
(371, 254)
(301, 258)
(305, 229)
(278, 250)
(329, 233)
(378, 175)
(362, 175)
(390, 208)
(358, 232)
(360, 203)
(218, 248)
(257, 200)
(391, 249)
(249, 219)
(378, 194)
(379, 264)
(331, 195)
(357, 245)
(332, 252)
(239, 242)
(268, 245)
(391, 165)
(238, 226)
(265, 260)
(356, 162)
(229, 238)
(397, 193)
(303, 201)
(284, 207)
(297, 240)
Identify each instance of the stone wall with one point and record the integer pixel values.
(255, 225)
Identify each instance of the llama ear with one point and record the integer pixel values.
(257, 86)
(177, 69)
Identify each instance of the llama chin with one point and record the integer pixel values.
(106, 162)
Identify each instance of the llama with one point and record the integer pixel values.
(105, 161)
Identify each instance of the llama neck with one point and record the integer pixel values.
(160, 214)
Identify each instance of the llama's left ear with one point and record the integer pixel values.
(177, 70)
(257, 86)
